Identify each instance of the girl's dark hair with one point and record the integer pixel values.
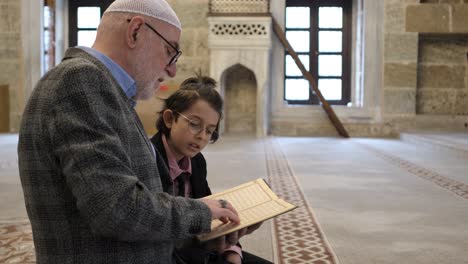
(191, 90)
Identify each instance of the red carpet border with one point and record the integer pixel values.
(451, 185)
(299, 237)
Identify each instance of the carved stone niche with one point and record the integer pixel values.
(241, 7)
(240, 39)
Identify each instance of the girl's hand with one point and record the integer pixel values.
(222, 243)
(232, 257)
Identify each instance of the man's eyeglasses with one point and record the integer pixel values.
(176, 56)
(196, 127)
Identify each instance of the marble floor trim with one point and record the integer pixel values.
(456, 187)
(298, 235)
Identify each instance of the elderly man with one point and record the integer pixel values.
(88, 171)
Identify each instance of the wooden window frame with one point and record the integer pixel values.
(313, 49)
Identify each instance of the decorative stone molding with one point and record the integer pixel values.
(243, 41)
(227, 7)
(239, 31)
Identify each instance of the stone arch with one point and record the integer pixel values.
(239, 87)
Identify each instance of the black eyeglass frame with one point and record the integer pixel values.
(178, 51)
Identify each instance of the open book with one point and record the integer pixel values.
(254, 201)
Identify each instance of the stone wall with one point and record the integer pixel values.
(442, 17)
(443, 76)
(194, 41)
(11, 58)
(443, 56)
(400, 67)
(425, 65)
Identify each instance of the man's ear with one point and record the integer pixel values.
(168, 118)
(134, 25)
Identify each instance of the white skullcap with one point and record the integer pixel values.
(158, 9)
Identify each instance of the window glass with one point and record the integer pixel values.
(47, 14)
(297, 17)
(329, 65)
(48, 39)
(47, 36)
(299, 40)
(330, 88)
(320, 33)
(330, 17)
(330, 41)
(291, 67)
(297, 89)
(88, 17)
(86, 37)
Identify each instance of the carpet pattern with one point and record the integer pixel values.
(16, 244)
(445, 182)
(457, 147)
(299, 237)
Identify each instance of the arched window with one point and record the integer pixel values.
(320, 33)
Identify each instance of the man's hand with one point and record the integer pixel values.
(224, 214)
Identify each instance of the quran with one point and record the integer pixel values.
(254, 201)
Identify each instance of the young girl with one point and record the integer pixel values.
(189, 121)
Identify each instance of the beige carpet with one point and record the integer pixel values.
(385, 201)
(360, 200)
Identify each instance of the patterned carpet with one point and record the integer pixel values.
(299, 238)
(445, 182)
(16, 244)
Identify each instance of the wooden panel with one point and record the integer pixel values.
(4, 109)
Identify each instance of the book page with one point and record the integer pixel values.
(254, 201)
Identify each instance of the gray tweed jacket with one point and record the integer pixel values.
(90, 180)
